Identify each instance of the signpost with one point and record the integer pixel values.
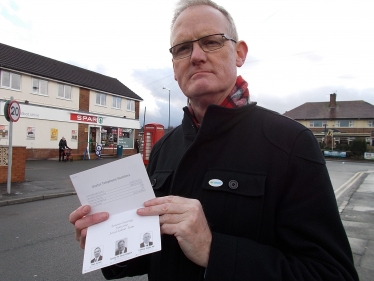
(12, 112)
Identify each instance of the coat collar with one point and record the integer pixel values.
(217, 120)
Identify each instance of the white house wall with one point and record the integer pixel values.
(51, 99)
(42, 133)
(108, 109)
(43, 119)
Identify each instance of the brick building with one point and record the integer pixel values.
(342, 121)
(58, 99)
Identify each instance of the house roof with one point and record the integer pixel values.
(343, 110)
(23, 61)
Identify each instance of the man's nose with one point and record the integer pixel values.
(198, 53)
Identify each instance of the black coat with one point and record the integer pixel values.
(275, 215)
(62, 144)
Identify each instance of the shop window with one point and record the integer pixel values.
(126, 137)
(109, 137)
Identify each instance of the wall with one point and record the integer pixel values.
(18, 164)
(42, 133)
(108, 110)
(51, 99)
(45, 112)
(359, 126)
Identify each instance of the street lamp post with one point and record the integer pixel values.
(169, 106)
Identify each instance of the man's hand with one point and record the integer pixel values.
(185, 219)
(81, 221)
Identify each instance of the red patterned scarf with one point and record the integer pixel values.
(238, 97)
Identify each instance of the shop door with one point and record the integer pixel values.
(94, 138)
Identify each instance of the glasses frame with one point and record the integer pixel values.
(198, 40)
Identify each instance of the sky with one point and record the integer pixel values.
(299, 51)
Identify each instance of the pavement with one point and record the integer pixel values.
(47, 179)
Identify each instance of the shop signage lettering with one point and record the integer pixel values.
(85, 118)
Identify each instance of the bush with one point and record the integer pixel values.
(343, 147)
(358, 146)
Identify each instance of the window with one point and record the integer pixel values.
(344, 123)
(371, 123)
(317, 123)
(39, 86)
(101, 99)
(64, 91)
(116, 102)
(130, 105)
(10, 80)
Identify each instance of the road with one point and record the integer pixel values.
(37, 240)
(340, 171)
(37, 243)
(346, 177)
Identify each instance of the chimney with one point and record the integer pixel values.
(332, 100)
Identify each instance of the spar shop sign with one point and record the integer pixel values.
(86, 118)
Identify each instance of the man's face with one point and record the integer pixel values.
(146, 237)
(97, 252)
(121, 245)
(204, 76)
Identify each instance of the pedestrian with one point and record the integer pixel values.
(243, 193)
(62, 145)
(137, 145)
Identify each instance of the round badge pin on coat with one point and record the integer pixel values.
(215, 183)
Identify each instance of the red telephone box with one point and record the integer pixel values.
(152, 133)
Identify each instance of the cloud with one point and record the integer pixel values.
(154, 80)
(299, 51)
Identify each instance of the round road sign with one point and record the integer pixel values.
(14, 111)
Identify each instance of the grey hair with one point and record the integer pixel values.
(184, 4)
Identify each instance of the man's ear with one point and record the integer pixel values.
(241, 53)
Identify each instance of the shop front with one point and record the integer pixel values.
(110, 137)
(107, 131)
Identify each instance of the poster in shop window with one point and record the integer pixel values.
(74, 135)
(3, 132)
(126, 138)
(54, 134)
(30, 133)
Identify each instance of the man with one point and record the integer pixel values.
(243, 193)
(121, 249)
(146, 240)
(62, 145)
(97, 255)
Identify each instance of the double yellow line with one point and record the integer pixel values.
(339, 191)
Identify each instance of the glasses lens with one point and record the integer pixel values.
(181, 50)
(211, 43)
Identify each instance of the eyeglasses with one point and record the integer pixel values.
(207, 44)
